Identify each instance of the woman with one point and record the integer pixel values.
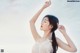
(49, 43)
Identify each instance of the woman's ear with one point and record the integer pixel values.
(51, 26)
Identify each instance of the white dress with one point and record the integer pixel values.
(43, 46)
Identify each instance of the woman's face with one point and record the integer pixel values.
(45, 25)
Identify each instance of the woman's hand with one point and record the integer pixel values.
(61, 28)
(47, 4)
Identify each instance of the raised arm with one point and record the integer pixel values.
(35, 34)
(70, 45)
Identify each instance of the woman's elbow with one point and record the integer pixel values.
(74, 50)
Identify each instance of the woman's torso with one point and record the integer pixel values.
(43, 46)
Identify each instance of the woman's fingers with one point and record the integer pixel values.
(47, 3)
(61, 27)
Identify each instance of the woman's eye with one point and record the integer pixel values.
(44, 21)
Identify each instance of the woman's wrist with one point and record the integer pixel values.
(43, 7)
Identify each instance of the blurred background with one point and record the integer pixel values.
(15, 34)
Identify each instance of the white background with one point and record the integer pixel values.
(15, 34)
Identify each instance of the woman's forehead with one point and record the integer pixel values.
(46, 18)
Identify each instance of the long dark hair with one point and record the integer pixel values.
(53, 21)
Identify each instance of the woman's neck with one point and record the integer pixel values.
(46, 34)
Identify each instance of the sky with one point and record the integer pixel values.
(15, 34)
